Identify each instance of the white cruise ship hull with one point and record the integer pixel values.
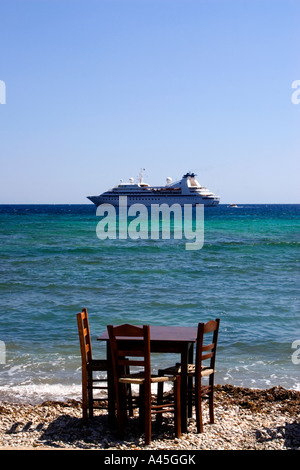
(149, 200)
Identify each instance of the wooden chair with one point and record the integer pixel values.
(89, 366)
(201, 369)
(136, 352)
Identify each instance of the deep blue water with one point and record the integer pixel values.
(52, 264)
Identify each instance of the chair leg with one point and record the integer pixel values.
(211, 402)
(129, 399)
(177, 406)
(160, 393)
(198, 405)
(141, 406)
(199, 415)
(211, 409)
(126, 371)
(147, 395)
(190, 396)
(124, 404)
(84, 398)
(121, 411)
(90, 394)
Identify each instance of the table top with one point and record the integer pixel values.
(179, 334)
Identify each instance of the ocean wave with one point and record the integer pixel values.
(38, 393)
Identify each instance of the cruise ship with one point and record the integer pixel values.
(185, 191)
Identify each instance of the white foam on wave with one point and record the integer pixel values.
(38, 393)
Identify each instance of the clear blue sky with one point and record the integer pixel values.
(97, 89)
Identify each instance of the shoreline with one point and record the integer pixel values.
(244, 419)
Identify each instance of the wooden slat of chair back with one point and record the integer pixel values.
(128, 330)
(124, 357)
(210, 326)
(84, 336)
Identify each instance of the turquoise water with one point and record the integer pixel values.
(53, 264)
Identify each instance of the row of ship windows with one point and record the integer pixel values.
(135, 197)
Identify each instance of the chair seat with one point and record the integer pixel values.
(191, 370)
(139, 379)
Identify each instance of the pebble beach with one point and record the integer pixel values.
(245, 419)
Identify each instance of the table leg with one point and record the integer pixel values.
(190, 382)
(186, 356)
(183, 392)
(111, 388)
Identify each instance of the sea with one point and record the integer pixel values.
(53, 264)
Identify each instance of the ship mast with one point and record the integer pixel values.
(140, 177)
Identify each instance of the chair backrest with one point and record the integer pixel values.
(84, 337)
(135, 353)
(207, 350)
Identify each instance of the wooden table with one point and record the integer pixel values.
(166, 339)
